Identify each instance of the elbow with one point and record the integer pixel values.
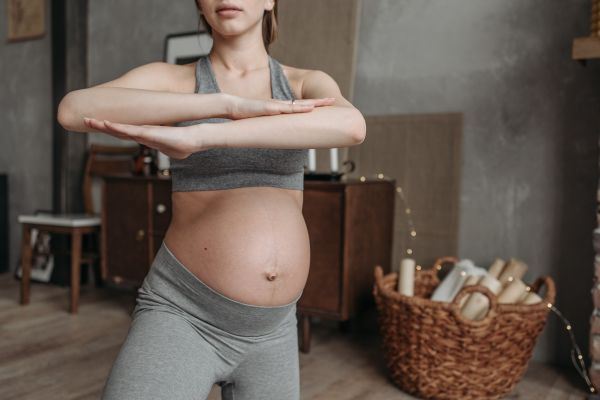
(64, 111)
(65, 114)
(358, 128)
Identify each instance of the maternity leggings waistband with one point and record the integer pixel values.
(185, 337)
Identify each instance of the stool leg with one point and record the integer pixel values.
(305, 333)
(75, 269)
(100, 275)
(25, 263)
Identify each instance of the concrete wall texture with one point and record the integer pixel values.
(530, 155)
(26, 121)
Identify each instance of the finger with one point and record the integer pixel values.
(96, 124)
(322, 102)
(298, 107)
(144, 134)
(99, 126)
(306, 101)
(326, 101)
(307, 104)
(93, 123)
(114, 128)
(285, 107)
(126, 129)
(149, 135)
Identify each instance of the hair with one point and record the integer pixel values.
(269, 25)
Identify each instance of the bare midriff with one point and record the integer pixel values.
(250, 243)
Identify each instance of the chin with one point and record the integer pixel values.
(230, 28)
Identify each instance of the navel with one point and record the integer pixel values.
(271, 276)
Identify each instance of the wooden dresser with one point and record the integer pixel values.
(350, 225)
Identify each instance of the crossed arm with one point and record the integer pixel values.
(329, 121)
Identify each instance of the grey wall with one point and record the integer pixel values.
(127, 34)
(531, 127)
(26, 121)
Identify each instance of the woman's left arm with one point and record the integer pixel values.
(337, 125)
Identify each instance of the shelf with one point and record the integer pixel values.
(586, 48)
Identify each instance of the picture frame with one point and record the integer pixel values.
(42, 259)
(186, 47)
(25, 19)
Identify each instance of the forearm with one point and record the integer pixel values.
(323, 127)
(138, 106)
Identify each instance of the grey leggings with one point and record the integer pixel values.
(185, 336)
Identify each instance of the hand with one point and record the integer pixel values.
(175, 142)
(242, 107)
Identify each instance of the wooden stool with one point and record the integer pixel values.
(76, 226)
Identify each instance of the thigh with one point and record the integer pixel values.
(271, 371)
(163, 357)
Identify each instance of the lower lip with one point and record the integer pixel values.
(229, 12)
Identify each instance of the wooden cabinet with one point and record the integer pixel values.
(135, 215)
(350, 225)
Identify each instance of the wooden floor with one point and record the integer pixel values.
(47, 353)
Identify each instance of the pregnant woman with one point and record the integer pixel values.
(218, 305)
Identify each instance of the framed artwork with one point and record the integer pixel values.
(42, 260)
(25, 19)
(186, 47)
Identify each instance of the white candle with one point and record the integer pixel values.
(333, 156)
(514, 269)
(496, 268)
(477, 304)
(531, 298)
(163, 162)
(312, 159)
(406, 277)
(512, 291)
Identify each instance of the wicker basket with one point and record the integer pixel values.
(433, 352)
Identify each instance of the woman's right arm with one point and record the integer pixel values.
(145, 95)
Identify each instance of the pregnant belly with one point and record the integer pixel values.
(249, 244)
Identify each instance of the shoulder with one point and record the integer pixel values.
(157, 75)
(313, 83)
(309, 83)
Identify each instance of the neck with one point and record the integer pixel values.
(240, 54)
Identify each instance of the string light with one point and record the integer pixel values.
(576, 356)
(411, 227)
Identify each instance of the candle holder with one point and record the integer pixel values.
(335, 176)
(322, 176)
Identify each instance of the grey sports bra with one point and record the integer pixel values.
(226, 168)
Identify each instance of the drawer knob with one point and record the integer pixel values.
(139, 236)
(161, 208)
